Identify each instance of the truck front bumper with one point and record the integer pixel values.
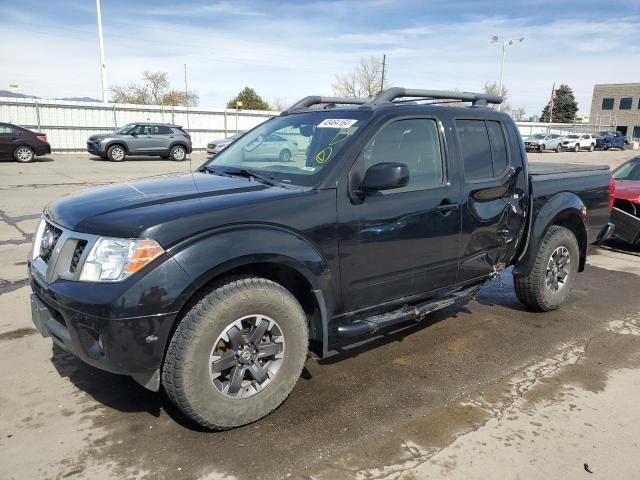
(128, 346)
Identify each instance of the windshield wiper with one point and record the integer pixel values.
(243, 172)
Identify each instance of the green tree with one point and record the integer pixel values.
(565, 106)
(154, 89)
(250, 100)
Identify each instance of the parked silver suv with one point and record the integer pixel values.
(149, 139)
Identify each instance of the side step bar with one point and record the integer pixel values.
(415, 312)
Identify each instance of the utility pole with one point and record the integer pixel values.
(384, 65)
(103, 66)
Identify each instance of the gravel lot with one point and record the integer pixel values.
(486, 390)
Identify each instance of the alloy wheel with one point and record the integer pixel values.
(558, 269)
(246, 356)
(24, 154)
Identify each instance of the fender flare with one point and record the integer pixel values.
(110, 143)
(211, 254)
(556, 209)
(181, 143)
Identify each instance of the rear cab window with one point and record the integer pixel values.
(484, 149)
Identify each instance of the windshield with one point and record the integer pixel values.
(539, 136)
(126, 129)
(573, 136)
(628, 171)
(292, 148)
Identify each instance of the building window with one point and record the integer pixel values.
(607, 104)
(636, 132)
(625, 103)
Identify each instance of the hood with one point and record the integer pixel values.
(533, 140)
(135, 209)
(628, 190)
(100, 136)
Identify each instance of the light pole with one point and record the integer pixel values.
(505, 44)
(103, 66)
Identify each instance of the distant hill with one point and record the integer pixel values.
(7, 93)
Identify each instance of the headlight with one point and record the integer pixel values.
(114, 259)
(37, 239)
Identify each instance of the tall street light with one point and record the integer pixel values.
(505, 44)
(103, 66)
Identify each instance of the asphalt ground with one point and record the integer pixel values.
(484, 389)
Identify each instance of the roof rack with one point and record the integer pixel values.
(307, 102)
(477, 99)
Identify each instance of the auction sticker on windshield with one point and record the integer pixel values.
(336, 123)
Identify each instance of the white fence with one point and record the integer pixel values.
(68, 124)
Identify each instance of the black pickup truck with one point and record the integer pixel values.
(217, 284)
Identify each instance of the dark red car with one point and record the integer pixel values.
(626, 213)
(20, 144)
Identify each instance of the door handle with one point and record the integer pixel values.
(445, 208)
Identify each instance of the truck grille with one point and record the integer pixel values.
(50, 237)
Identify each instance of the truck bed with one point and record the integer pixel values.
(542, 168)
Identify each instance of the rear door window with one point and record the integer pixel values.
(484, 149)
(161, 130)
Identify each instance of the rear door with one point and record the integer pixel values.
(162, 137)
(494, 188)
(402, 242)
(8, 136)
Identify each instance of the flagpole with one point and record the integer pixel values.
(553, 89)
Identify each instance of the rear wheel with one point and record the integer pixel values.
(237, 354)
(116, 153)
(178, 153)
(553, 273)
(23, 154)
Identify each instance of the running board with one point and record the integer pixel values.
(415, 312)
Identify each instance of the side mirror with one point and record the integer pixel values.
(307, 130)
(385, 176)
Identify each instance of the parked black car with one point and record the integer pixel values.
(22, 144)
(217, 284)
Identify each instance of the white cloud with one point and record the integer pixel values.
(286, 57)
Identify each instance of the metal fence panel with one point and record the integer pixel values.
(68, 124)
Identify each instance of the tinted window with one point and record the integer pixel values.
(8, 129)
(161, 130)
(625, 103)
(636, 132)
(413, 142)
(476, 151)
(607, 104)
(498, 147)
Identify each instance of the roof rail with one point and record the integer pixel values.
(477, 99)
(307, 102)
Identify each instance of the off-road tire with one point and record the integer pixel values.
(531, 288)
(116, 153)
(186, 370)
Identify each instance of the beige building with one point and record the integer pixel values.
(616, 106)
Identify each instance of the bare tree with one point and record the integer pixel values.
(519, 114)
(364, 81)
(278, 104)
(155, 89)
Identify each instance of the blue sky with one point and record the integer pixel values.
(288, 49)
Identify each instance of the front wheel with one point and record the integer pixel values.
(576, 147)
(23, 154)
(559, 148)
(592, 147)
(178, 153)
(237, 354)
(116, 153)
(553, 273)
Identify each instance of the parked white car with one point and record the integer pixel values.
(216, 146)
(577, 142)
(544, 141)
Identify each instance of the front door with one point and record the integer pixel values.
(8, 135)
(401, 242)
(141, 140)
